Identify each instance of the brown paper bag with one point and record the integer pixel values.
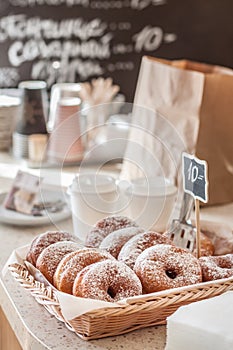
(183, 106)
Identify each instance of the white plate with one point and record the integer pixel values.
(14, 218)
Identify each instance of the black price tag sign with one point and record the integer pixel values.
(195, 178)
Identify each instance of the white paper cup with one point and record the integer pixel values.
(152, 201)
(67, 128)
(20, 145)
(9, 110)
(92, 197)
(60, 91)
(37, 146)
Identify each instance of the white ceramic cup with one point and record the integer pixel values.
(151, 203)
(92, 197)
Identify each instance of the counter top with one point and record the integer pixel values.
(34, 327)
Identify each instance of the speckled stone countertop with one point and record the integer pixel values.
(34, 327)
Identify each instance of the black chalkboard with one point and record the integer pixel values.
(195, 178)
(88, 38)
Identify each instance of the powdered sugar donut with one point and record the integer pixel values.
(216, 267)
(50, 257)
(115, 240)
(164, 266)
(44, 240)
(136, 245)
(207, 247)
(73, 263)
(105, 226)
(107, 280)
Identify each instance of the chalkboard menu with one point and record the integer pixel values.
(77, 40)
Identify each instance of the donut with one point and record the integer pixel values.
(105, 226)
(164, 266)
(50, 257)
(216, 267)
(73, 263)
(43, 241)
(207, 247)
(136, 245)
(115, 240)
(107, 280)
(64, 264)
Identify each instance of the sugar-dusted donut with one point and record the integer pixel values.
(207, 247)
(164, 266)
(107, 280)
(50, 257)
(115, 240)
(136, 245)
(43, 240)
(216, 267)
(105, 226)
(73, 263)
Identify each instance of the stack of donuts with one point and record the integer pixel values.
(122, 260)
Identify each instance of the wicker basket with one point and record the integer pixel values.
(139, 312)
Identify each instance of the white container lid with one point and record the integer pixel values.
(67, 87)
(32, 84)
(93, 183)
(152, 186)
(9, 101)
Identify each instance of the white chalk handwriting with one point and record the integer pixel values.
(44, 69)
(148, 39)
(20, 52)
(93, 4)
(31, 3)
(141, 4)
(81, 47)
(151, 38)
(121, 66)
(20, 27)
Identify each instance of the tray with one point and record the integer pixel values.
(138, 312)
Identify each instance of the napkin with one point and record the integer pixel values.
(205, 325)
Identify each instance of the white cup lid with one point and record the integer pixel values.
(152, 186)
(93, 183)
(32, 84)
(70, 101)
(8, 101)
